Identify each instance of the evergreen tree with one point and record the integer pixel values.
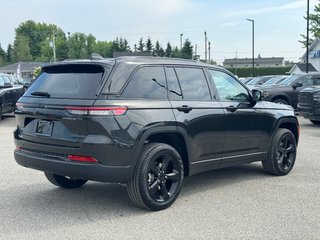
(168, 52)
(149, 45)
(3, 57)
(187, 49)
(158, 50)
(141, 46)
(9, 54)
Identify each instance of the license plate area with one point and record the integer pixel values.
(44, 128)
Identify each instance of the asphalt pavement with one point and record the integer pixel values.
(233, 203)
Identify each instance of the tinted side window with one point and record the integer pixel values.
(147, 82)
(308, 81)
(228, 88)
(173, 84)
(193, 83)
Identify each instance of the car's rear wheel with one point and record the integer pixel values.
(64, 182)
(157, 178)
(282, 153)
(315, 122)
(280, 101)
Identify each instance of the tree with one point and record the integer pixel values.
(104, 48)
(187, 49)
(21, 51)
(149, 45)
(158, 50)
(176, 53)
(314, 26)
(141, 46)
(168, 52)
(3, 57)
(10, 54)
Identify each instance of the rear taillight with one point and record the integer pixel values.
(100, 111)
(82, 159)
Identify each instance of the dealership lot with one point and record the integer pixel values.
(235, 203)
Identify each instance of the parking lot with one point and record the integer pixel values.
(233, 203)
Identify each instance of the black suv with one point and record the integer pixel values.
(147, 122)
(309, 104)
(287, 91)
(9, 94)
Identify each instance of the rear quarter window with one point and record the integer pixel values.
(76, 81)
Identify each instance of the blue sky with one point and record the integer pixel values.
(278, 23)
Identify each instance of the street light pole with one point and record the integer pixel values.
(181, 45)
(307, 53)
(205, 46)
(252, 21)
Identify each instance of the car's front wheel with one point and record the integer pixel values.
(64, 182)
(282, 153)
(158, 177)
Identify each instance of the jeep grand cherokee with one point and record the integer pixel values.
(147, 122)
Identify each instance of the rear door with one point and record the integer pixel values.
(198, 117)
(53, 110)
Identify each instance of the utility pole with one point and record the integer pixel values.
(195, 52)
(252, 21)
(181, 45)
(236, 65)
(307, 53)
(205, 45)
(54, 45)
(209, 48)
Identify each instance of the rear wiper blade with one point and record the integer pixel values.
(42, 94)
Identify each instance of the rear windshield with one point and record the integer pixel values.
(68, 81)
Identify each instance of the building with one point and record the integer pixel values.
(26, 69)
(313, 57)
(258, 62)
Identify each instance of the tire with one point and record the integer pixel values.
(64, 182)
(158, 177)
(282, 153)
(280, 101)
(313, 121)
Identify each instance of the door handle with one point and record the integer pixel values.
(231, 108)
(184, 108)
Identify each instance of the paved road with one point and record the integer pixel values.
(235, 203)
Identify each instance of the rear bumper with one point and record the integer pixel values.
(310, 112)
(87, 171)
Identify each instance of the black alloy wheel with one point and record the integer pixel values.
(282, 154)
(158, 178)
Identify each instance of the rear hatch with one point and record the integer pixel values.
(52, 109)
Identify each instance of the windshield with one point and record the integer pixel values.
(274, 80)
(68, 81)
(290, 79)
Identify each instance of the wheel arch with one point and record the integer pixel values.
(290, 123)
(167, 135)
(282, 96)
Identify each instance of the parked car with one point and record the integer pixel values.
(275, 80)
(147, 122)
(259, 80)
(9, 94)
(287, 91)
(309, 104)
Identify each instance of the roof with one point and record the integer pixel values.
(24, 66)
(312, 47)
(137, 60)
(273, 60)
(303, 67)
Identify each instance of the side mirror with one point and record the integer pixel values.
(296, 85)
(256, 95)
